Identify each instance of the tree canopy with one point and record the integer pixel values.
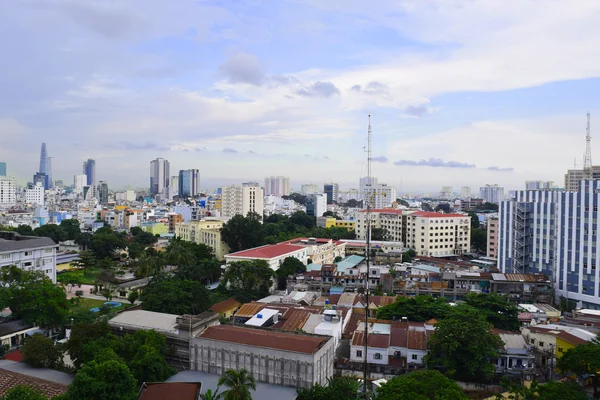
(106, 380)
(417, 308)
(336, 389)
(290, 266)
(39, 351)
(23, 392)
(243, 232)
(462, 344)
(583, 360)
(238, 384)
(171, 295)
(421, 385)
(497, 309)
(252, 278)
(552, 390)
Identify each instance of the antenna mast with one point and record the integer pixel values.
(368, 199)
(587, 159)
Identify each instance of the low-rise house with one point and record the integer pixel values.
(13, 333)
(264, 318)
(516, 358)
(277, 357)
(226, 308)
(247, 311)
(549, 341)
(29, 253)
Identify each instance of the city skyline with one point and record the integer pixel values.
(133, 81)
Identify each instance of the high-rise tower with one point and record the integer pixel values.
(89, 170)
(587, 158)
(46, 167)
(160, 176)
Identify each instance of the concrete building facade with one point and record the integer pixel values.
(29, 253)
(316, 204)
(492, 193)
(332, 192)
(8, 192)
(281, 358)
(207, 232)
(277, 185)
(492, 237)
(34, 195)
(309, 188)
(242, 199)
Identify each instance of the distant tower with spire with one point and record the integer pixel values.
(45, 168)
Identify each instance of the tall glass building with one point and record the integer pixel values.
(189, 183)
(89, 170)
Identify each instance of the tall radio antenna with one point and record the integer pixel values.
(587, 159)
(368, 199)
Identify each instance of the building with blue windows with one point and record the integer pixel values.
(2, 168)
(556, 233)
(189, 183)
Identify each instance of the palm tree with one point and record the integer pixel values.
(178, 254)
(239, 384)
(210, 395)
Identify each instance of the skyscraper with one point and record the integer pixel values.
(316, 204)
(2, 169)
(160, 174)
(331, 190)
(103, 192)
(492, 193)
(189, 183)
(242, 199)
(46, 167)
(277, 186)
(363, 183)
(89, 169)
(8, 192)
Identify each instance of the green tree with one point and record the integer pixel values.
(210, 395)
(178, 254)
(381, 234)
(426, 207)
(408, 255)
(39, 351)
(175, 296)
(417, 308)
(421, 385)
(252, 278)
(81, 334)
(133, 296)
(205, 271)
(52, 231)
(498, 310)
(104, 243)
(463, 344)
(149, 365)
(290, 266)
(24, 230)
(336, 389)
(552, 390)
(479, 239)
(238, 384)
(402, 202)
(23, 392)
(84, 240)
(474, 220)
(303, 219)
(34, 298)
(100, 381)
(71, 228)
(241, 233)
(583, 360)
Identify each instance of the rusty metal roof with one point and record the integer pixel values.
(288, 341)
(249, 310)
(380, 341)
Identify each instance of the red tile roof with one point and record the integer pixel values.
(261, 338)
(380, 341)
(429, 214)
(9, 379)
(225, 305)
(170, 390)
(268, 251)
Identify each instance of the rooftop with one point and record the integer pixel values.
(380, 341)
(428, 214)
(10, 327)
(268, 339)
(262, 317)
(175, 390)
(9, 379)
(349, 262)
(142, 319)
(268, 251)
(225, 305)
(248, 310)
(12, 241)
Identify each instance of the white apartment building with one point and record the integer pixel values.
(309, 188)
(79, 181)
(363, 183)
(428, 233)
(35, 195)
(465, 192)
(8, 192)
(242, 199)
(446, 192)
(381, 195)
(29, 253)
(438, 235)
(388, 219)
(492, 193)
(316, 204)
(277, 185)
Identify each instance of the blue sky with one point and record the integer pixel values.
(247, 89)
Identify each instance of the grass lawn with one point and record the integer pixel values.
(88, 278)
(86, 304)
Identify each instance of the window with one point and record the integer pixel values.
(4, 256)
(377, 356)
(358, 353)
(532, 341)
(48, 250)
(414, 357)
(541, 344)
(560, 349)
(27, 253)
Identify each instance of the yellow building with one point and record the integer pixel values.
(155, 228)
(566, 341)
(348, 224)
(330, 222)
(207, 232)
(226, 308)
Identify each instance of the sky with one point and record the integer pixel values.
(460, 93)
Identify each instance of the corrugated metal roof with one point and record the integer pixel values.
(268, 339)
(248, 310)
(380, 341)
